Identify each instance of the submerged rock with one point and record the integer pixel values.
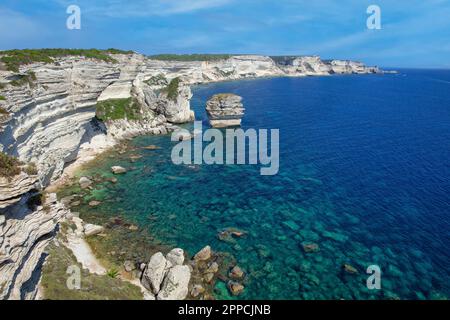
(225, 110)
(310, 247)
(118, 170)
(94, 203)
(85, 182)
(349, 269)
(151, 147)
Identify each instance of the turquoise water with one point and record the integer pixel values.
(364, 173)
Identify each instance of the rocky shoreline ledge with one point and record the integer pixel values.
(63, 114)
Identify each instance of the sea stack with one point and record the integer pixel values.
(225, 110)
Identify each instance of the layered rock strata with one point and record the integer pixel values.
(225, 110)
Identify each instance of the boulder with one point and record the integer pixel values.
(236, 273)
(175, 256)
(92, 229)
(154, 273)
(129, 266)
(197, 290)
(213, 267)
(118, 170)
(225, 110)
(204, 254)
(85, 182)
(94, 203)
(175, 285)
(235, 288)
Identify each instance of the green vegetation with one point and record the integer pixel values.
(3, 112)
(158, 80)
(116, 109)
(13, 59)
(172, 89)
(9, 166)
(190, 57)
(2, 98)
(222, 96)
(31, 169)
(93, 287)
(2, 85)
(112, 273)
(23, 79)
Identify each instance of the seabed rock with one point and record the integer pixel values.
(85, 182)
(118, 170)
(92, 229)
(310, 247)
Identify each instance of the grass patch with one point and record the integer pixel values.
(158, 80)
(2, 98)
(116, 109)
(190, 57)
(9, 166)
(93, 287)
(13, 59)
(172, 89)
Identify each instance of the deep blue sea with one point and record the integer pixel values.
(364, 174)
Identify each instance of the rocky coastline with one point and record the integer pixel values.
(61, 115)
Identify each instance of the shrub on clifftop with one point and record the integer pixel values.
(13, 59)
(172, 89)
(9, 166)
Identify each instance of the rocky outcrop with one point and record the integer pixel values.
(225, 110)
(166, 277)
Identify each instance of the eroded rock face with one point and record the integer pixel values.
(225, 110)
(13, 189)
(24, 234)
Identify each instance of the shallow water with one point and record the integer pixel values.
(364, 173)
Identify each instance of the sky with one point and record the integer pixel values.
(414, 33)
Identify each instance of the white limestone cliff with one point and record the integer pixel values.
(51, 121)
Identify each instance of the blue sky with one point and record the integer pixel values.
(415, 33)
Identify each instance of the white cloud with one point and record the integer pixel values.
(144, 8)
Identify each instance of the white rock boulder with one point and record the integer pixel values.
(175, 285)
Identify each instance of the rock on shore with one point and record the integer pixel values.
(225, 110)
